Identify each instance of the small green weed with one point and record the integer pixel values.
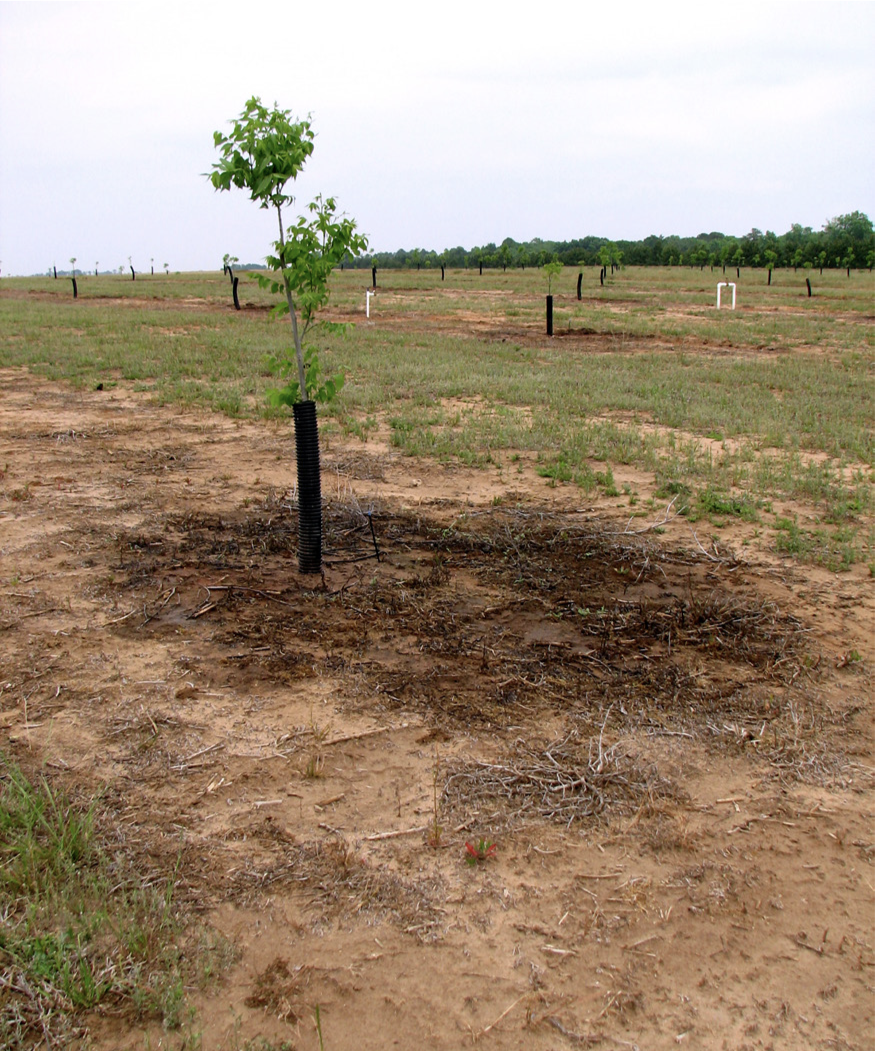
(483, 850)
(605, 479)
(557, 471)
(317, 1018)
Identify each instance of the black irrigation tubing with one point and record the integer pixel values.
(373, 534)
(347, 561)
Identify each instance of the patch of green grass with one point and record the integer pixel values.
(835, 549)
(556, 471)
(80, 928)
(361, 429)
(712, 503)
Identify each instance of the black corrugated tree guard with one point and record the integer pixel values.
(266, 149)
(551, 270)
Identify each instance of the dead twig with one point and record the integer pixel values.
(575, 1038)
(396, 833)
(664, 521)
(503, 1015)
(359, 736)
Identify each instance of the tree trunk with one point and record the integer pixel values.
(234, 292)
(133, 274)
(579, 283)
(293, 317)
(808, 283)
(75, 288)
(770, 276)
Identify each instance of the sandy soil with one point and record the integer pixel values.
(668, 744)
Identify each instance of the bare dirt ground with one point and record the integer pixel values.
(668, 744)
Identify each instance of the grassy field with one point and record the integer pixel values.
(729, 411)
(646, 397)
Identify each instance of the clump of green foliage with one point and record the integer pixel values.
(265, 150)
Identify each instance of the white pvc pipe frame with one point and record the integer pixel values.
(723, 284)
(368, 303)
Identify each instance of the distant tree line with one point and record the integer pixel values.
(846, 241)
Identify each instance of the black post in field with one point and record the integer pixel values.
(549, 315)
(579, 283)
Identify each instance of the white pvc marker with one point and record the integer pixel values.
(368, 295)
(723, 284)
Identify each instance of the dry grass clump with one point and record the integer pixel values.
(570, 780)
(798, 748)
(277, 989)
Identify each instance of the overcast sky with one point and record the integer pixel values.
(437, 125)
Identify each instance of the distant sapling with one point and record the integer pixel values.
(551, 270)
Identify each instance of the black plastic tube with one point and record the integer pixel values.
(309, 488)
